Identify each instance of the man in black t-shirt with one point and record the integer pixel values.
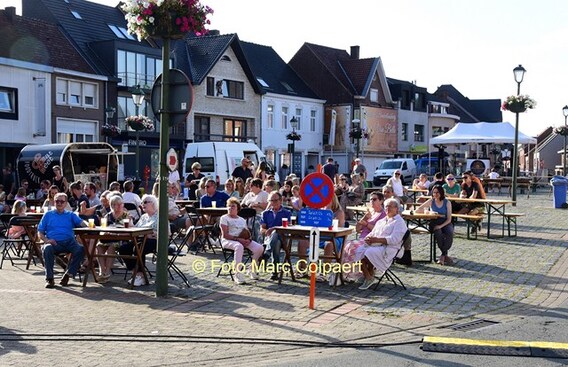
(330, 170)
(243, 171)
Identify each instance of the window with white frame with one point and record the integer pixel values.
(8, 103)
(313, 120)
(419, 133)
(76, 131)
(374, 95)
(285, 118)
(404, 132)
(299, 118)
(270, 117)
(76, 93)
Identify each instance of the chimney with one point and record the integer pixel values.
(10, 12)
(214, 32)
(355, 52)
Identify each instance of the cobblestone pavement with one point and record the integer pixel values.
(213, 321)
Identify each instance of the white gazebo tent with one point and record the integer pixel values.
(482, 133)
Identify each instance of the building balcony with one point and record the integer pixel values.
(220, 137)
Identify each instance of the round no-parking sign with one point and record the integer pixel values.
(316, 190)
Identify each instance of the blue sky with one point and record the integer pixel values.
(473, 45)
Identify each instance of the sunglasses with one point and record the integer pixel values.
(60, 201)
(398, 173)
(450, 178)
(146, 202)
(273, 200)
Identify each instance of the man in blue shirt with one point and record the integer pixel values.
(211, 194)
(272, 217)
(56, 231)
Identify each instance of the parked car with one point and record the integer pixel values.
(406, 166)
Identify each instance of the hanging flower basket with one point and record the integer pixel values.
(561, 130)
(166, 18)
(294, 136)
(139, 123)
(518, 104)
(359, 134)
(110, 130)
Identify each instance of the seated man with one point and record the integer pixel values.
(212, 194)
(176, 216)
(56, 231)
(382, 244)
(272, 217)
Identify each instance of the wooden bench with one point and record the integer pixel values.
(470, 220)
(512, 218)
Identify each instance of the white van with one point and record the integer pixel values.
(406, 166)
(219, 159)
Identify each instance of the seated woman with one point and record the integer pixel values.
(286, 192)
(49, 203)
(472, 188)
(19, 208)
(452, 189)
(364, 226)
(236, 236)
(382, 244)
(442, 227)
(296, 200)
(148, 220)
(115, 217)
(230, 189)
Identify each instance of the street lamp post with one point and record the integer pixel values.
(138, 97)
(565, 112)
(357, 134)
(294, 124)
(519, 73)
(109, 114)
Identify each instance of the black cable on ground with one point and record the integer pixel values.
(194, 339)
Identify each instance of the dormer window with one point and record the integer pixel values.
(225, 58)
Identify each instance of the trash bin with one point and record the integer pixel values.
(559, 185)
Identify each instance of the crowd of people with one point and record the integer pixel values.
(380, 230)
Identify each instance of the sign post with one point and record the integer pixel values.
(314, 256)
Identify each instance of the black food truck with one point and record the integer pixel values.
(79, 161)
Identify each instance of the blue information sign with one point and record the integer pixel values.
(315, 217)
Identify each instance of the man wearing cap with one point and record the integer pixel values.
(360, 169)
(243, 171)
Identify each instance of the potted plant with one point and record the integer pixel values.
(139, 123)
(166, 18)
(110, 130)
(359, 133)
(518, 104)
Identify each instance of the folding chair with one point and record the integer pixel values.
(5, 221)
(173, 255)
(13, 246)
(200, 231)
(389, 274)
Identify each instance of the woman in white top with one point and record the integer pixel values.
(234, 237)
(397, 187)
